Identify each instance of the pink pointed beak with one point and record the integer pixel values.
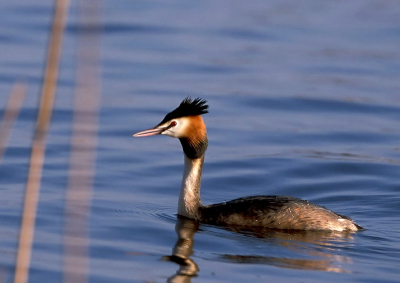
(150, 132)
(157, 130)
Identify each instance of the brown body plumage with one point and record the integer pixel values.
(275, 212)
(278, 212)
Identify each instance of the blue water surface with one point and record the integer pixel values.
(304, 101)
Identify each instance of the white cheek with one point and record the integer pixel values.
(170, 133)
(178, 130)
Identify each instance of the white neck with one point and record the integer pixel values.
(189, 198)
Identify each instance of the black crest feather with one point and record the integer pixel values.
(188, 107)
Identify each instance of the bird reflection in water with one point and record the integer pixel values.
(183, 249)
(322, 246)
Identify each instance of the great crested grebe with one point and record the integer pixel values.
(275, 212)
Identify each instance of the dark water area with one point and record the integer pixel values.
(304, 101)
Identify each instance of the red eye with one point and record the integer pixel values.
(173, 124)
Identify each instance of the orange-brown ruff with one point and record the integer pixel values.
(275, 212)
